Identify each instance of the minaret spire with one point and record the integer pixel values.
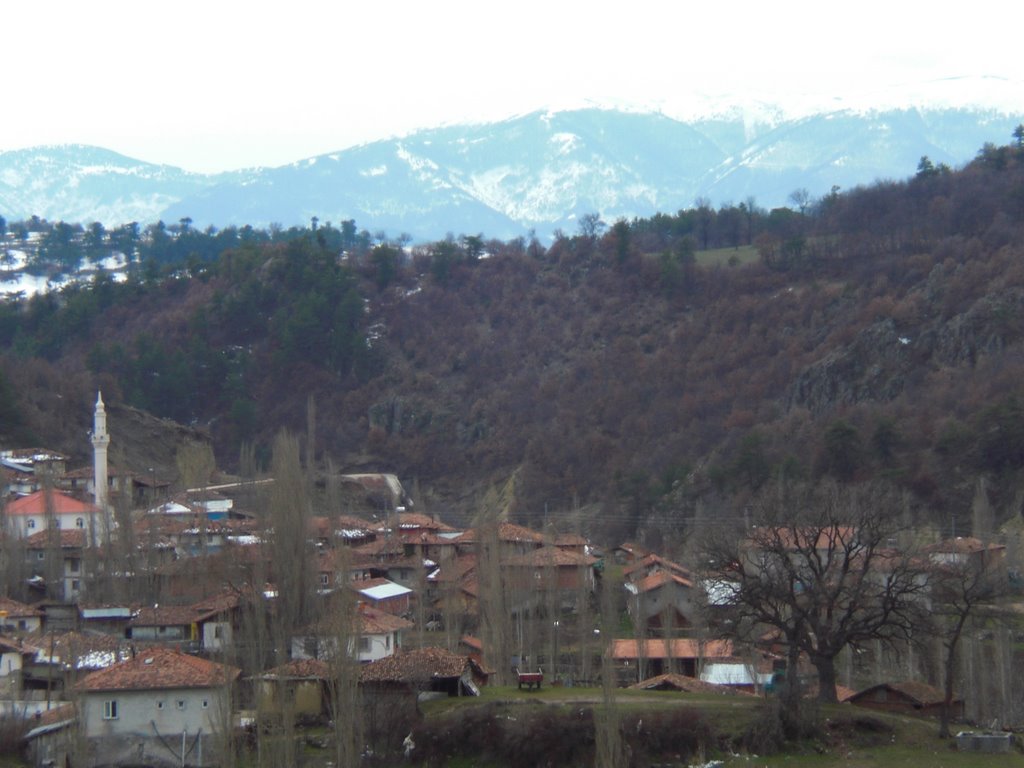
(100, 441)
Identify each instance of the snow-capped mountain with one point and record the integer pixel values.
(538, 171)
(78, 183)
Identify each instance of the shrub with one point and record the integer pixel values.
(675, 735)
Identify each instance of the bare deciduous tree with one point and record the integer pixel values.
(343, 692)
(819, 568)
(610, 751)
(960, 591)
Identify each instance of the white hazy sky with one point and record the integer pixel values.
(218, 85)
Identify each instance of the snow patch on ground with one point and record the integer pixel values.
(565, 142)
(415, 162)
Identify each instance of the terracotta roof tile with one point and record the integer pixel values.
(675, 648)
(659, 579)
(85, 651)
(373, 621)
(300, 669)
(159, 668)
(163, 616)
(42, 502)
(507, 533)
(682, 683)
(962, 545)
(418, 666)
(921, 694)
(414, 521)
(653, 561)
(65, 538)
(16, 610)
(549, 556)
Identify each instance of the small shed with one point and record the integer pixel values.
(301, 684)
(683, 684)
(427, 669)
(908, 697)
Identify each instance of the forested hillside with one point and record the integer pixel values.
(619, 371)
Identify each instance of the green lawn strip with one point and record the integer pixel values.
(745, 254)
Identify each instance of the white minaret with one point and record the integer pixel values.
(100, 441)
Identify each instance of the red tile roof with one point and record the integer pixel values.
(159, 668)
(381, 548)
(677, 682)
(549, 556)
(418, 666)
(570, 540)
(373, 621)
(675, 648)
(86, 651)
(65, 538)
(300, 669)
(919, 694)
(414, 521)
(217, 604)
(16, 610)
(507, 532)
(962, 545)
(659, 579)
(164, 616)
(43, 502)
(174, 615)
(656, 562)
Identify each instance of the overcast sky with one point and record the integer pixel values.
(217, 85)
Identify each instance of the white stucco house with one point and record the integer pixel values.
(44, 509)
(379, 636)
(151, 708)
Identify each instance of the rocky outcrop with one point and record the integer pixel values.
(877, 363)
(873, 367)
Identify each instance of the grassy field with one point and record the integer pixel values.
(725, 257)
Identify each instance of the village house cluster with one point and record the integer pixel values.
(100, 669)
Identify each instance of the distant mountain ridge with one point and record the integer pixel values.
(539, 172)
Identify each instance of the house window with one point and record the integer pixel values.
(79, 522)
(387, 642)
(22, 624)
(75, 585)
(364, 644)
(40, 555)
(31, 523)
(56, 522)
(218, 632)
(159, 705)
(324, 579)
(206, 703)
(110, 709)
(180, 704)
(73, 565)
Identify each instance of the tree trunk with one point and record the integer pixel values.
(950, 671)
(791, 691)
(947, 699)
(826, 667)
